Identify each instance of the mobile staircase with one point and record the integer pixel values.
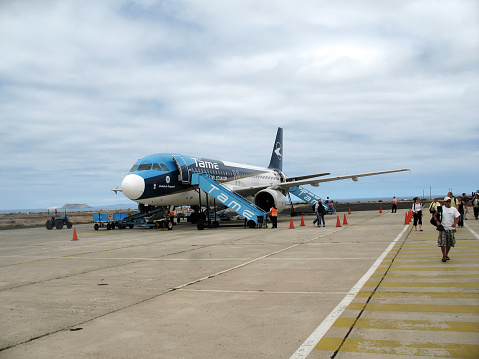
(254, 215)
(307, 196)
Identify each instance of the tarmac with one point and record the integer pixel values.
(372, 288)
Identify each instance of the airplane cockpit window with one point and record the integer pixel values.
(164, 167)
(144, 167)
(134, 168)
(156, 167)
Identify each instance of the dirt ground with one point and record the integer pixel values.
(28, 220)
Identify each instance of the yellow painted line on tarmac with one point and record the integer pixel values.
(394, 347)
(445, 267)
(388, 294)
(415, 308)
(419, 276)
(32, 262)
(465, 327)
(423, 284)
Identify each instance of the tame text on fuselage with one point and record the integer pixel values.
(206, 164)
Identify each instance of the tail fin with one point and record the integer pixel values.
(276, 162)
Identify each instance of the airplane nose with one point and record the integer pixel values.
(133, 186)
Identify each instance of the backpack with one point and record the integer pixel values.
(439, 218)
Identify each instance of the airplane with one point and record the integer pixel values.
(169, 180)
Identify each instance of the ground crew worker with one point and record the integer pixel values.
(395, 205)
(274, 216)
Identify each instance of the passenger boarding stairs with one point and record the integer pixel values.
(254, 215)
(307, 196)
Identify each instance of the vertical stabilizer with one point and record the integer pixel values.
(276, 162)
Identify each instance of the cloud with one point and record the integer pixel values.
(87, 89)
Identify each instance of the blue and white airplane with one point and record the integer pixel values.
(168, 180)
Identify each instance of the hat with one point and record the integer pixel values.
(447, 198)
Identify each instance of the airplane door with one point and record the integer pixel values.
(185, 174)
(236, 177)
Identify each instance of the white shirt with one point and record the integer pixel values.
(449, 216)
(416, 207)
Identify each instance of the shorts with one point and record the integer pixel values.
(446, 238)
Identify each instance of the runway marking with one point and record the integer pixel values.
(305, 349)
(440, 267)
(386, 294)
(395, 347)
(378, 313)
(471, 230)
(415, 308)
(410, 284)
(434, 276)
(465, 327)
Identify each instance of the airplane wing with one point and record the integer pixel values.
(290, 179)
(317, 181)
(249, 191)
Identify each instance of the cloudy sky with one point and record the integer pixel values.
(87, 88)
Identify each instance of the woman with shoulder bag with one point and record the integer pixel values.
(417, 210)
(433, 206)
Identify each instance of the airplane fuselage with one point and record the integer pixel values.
(163, 179)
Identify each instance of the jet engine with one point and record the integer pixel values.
(266, 198)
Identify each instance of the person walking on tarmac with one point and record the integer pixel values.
(417, 210)
(450, 218)
(320, 212)
(395, 205)
(274, 216)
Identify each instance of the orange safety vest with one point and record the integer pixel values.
(274, 212)
(172, 213)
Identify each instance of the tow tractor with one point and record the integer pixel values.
(58, 221)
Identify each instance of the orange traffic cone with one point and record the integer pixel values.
(302, 221)
(345, 221)
(291, 224)
(380, 210)
(75, 238)
(349, 210)
(338, 223)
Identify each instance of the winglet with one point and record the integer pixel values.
(276, 162)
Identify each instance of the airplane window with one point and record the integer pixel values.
(144, 167)
(164, 167)
(134, 168)
(157, 167)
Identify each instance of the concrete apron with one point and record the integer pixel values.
(237, 293)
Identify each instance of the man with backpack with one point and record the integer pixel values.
(447, 217)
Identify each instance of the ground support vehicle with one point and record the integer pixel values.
(156, 218)
(101, 220)
(58, 221)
